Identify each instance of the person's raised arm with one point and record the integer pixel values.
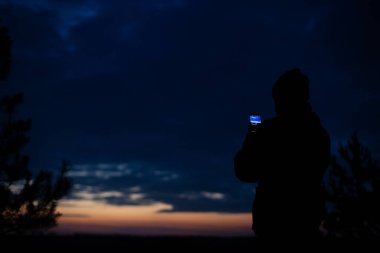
(247, 163)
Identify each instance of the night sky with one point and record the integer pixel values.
(149, 99)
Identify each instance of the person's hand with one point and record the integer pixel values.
(252, 127)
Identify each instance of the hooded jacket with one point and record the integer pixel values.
(286, 157)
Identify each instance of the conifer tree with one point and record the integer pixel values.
(27, 203)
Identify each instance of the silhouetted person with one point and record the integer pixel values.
(287, 157)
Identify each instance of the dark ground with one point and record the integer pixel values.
(99, 243)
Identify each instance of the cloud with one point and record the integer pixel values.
(145, 185)
(213, 195)
(101, 171)
(102, 195)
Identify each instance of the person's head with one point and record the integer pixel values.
(291, 92)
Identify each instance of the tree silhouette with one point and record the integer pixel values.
(27, 204)
(353, 192)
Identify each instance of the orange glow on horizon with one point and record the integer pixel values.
(88, 216)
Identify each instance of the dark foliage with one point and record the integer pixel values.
(353, 193)
(27, 204)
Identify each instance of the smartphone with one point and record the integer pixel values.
(254, 119)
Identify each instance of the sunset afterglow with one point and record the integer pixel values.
(88, 216)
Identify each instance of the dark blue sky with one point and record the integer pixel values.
(153, 96)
